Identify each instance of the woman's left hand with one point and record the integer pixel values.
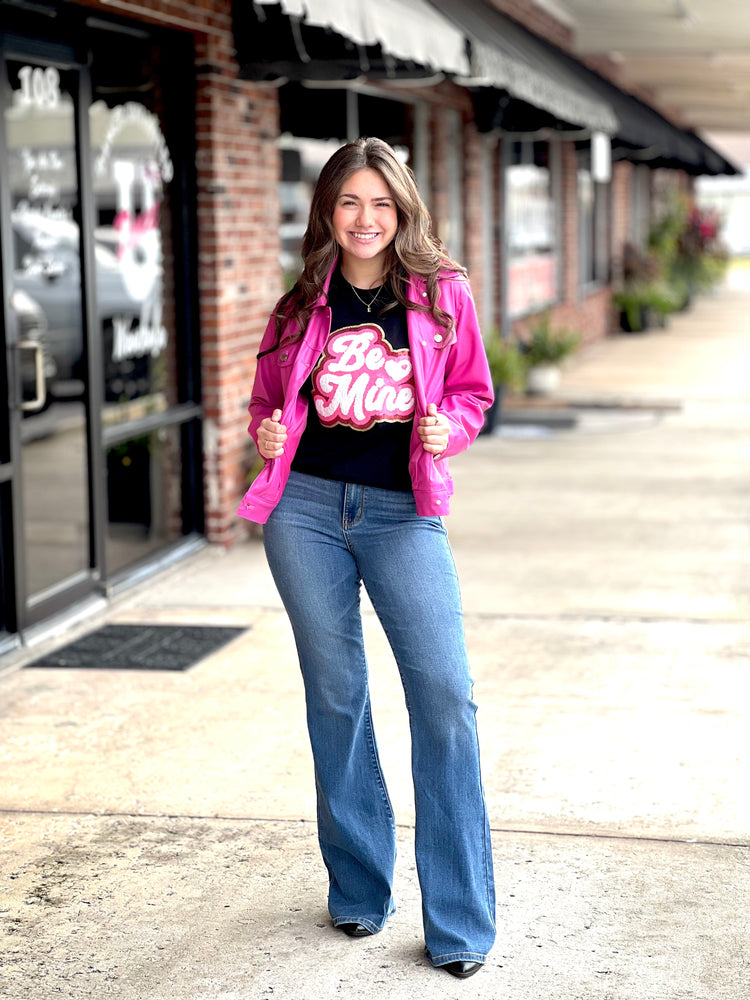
(434, 431)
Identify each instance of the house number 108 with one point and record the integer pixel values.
(39, 87)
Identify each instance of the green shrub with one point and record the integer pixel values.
(546, 345)
(506, 362)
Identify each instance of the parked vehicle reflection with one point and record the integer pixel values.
(47, 284)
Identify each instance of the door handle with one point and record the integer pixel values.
(40, 382)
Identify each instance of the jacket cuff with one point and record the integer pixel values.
(432, 504)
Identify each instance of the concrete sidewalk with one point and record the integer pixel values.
(157, 835)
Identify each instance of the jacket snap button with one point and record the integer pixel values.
(283, 357)
(438, 502)
(438, 338)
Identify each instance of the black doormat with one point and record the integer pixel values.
(140, 647)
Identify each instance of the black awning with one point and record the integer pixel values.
(398, 39)
(518, 84)
(714, 162)
(270, 45)
(642, 134)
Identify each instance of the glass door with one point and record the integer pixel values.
(100, 437)
(45, 337)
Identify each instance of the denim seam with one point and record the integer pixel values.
(346, 522)
(488, 878)
(456, 956)
(375, 761)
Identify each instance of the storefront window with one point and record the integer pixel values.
(141, 347)
(46, 271)
(131, 169)
(301, 163)
(640, 206)
(46, 310)
(99, 353)
(532, 228)
(593, 229)
(144, 500)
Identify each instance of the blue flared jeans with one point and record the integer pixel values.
(322, 542)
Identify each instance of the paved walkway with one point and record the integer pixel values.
(157, 836)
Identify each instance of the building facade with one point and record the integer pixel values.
(156, 165)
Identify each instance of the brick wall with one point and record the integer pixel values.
(475, 213)
(569, 222)
(239, 278)
(591, 317)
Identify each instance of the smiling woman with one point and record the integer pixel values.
(371, 372)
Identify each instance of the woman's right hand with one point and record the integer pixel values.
(271, 436)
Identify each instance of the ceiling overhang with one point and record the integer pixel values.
(692, 57)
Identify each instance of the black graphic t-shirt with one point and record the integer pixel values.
(361, 394)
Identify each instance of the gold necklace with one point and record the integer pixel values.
(368, 305)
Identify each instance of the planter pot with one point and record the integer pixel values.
(637, 323)
(542, 380)
(492, 417)
(129, 484)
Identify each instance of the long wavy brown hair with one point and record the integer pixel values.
(415, 250)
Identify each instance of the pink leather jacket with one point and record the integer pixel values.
(455, 376)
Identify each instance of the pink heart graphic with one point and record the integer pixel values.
(398, 368)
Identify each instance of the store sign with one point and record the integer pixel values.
(43, 167)
(134, 162)
(39, 87)
(149, 338)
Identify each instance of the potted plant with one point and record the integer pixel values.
(544, 351)
(643, 298)
(507, 369)
(641, 306)
(687, 242)
(631, 304)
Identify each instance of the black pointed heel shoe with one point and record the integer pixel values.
(461, 970)
(354, 930)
